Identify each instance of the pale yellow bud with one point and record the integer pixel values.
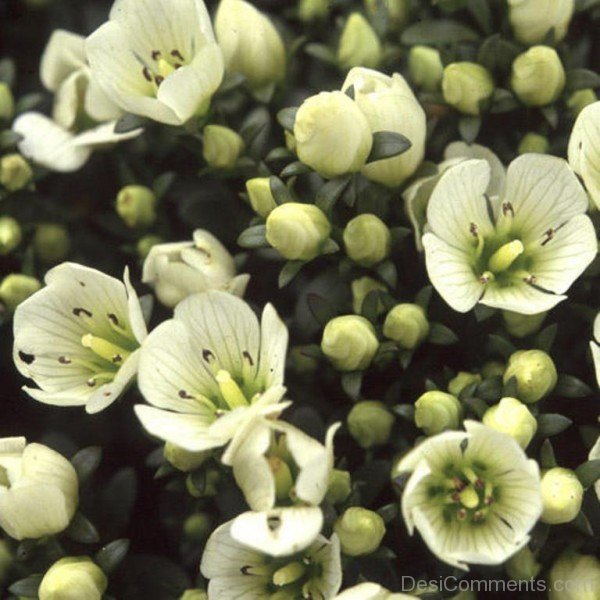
(535, 373)
(260, 195)
(360, 531)
(532, 20)
(194, 595)
(407, 325)
(51, 242)
(146, 243)
(538, 76)
(367, 240)
(16, 288)
(523, 565)
(350, 343)
(10, 235)
(313, 10)
(221, 146)
(136, 205)
(534, 143)
(7, 103)
(182, 459)
(578, 100)
(437, 411)
(197, 527)
(359, 44)
(520, 325)
(468, 87)
(370, 423)
(15, 172)
(513, 418)
(463, 379)
(396, 11)
(340, 486)
(73, 579)
(361, 288)
(574, 576)
(562, 495)
(426, 68)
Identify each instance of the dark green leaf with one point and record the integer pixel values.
(551, 115)
(387, 144)
(329, 193)
(569, 386)
(406, 357)
(82, 530)
(423, 297)
(552, 424)
(582, 523)
(330, 247)
(257, 122)
(289, 271)
(231, 81)
(129, 123)
(86, 461)
(286, 117)
(294, 169)
(280, 191)
(387, 271)
(483, 312)
(110, 557)
(580, 79)
(388, 512)
(545, 338)
(311, 351)
(490, 389)
(497, 53)
(478, 406)
(7, 71)
(406, 411)
(480, 9)
(469, 127)
(321, 52)
(511, 388)
(253, 237)
(27, 587)
(503, 101)
(162, 183)
(441, 335)
(280, 153)
(370, 306)
(501, 345)
(588, 473)
(321, 309)
(437, 32)
(582, 5)
(28, 102)
(547, 458)
(9, 139)
(351, 383)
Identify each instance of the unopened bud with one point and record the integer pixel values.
(580, 572)
(463, 379)
(523, 565)
(535, 373)
(370, 423)
(359, 44)
(136, 205)
(578, 100)
(520, 325)
(340, 486)
(282, 476)
(313, 10)
(468, 87)
(395, 11)
(7, 102)
(51, 242)
(221, 146)
(182, 459)
(146, 243)
(197, 527)
(350, 343)
(534, 143)
(513, 418)
(194, 595)
(493, 368)
(360, 531)
(361, 288)
(407, 325)
(533, 20)
(10, 235)
(260, 196)
(562, 495)
(426, 68)
(437, 411)
(15, 172)
(538, 76)
(16, 288)
(367, 240)
(73, 579)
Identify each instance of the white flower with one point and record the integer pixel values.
(157, 58)
(77, 339)
(237, 571)
(416, 196)
(595, 455)
(595, 347)
(584, 151)
(275, 463)
(389, 104)
(474, 496)
(209, 369)
(39, 490)
(525, 256)
(52, 146)
(370, 591)
(178, 270)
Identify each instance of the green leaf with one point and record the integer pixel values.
(387, 144)
(230, 82)
(311, 351)
(478, 406)
(490, 389)
(583, 5)
(286, 117)
(28, 102)
(441, 335)
(27, 587)
(483, 312)
(501, 345)
(437, 32)
(280, 191)
(481, 11)
(253, 237)
(388, 512)
(162, 183)
(294, 169)
(387, 271)
(110, 557)
(370, 306)
(321, 52)
(552, 424)
(289, 271)
(551, 115)
(503, 101)
(406, 357)
(405, 411)
(511, 388)
(569, 386)
(351, 383)
(329, 193)
(129, 123)
(82, 530)
(86, 462)
(423, 297)
(547, 458)
(9, 139)
(582, 523)
(330, 247)
(588, 473)
(545, 338)
(7, 71)
(580, 79)
(321, 309)
(469, 127)
(254, 124)
(497, 53)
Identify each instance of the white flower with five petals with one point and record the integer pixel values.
(157, 58)
(520, 252)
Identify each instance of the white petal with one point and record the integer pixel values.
(326, 554)
(64, 53)
(595, 455)
(97, 104)
(458, 203)
(520, 297)
(134, 310)
(451, 274)
(596, 358)
(273, 347)
(278, 532)
(101, 135)
(67, 99)
(48, 144)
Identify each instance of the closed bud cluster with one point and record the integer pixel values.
(520, 325)
(468, 87)
(426, 68)
(260, 196)
(538, 76)
(349, 342)
(437, 411)
(340, 486)
(221, 146)
(562, 495)
(7, 102)
(534, 372)
(513, 418)
(407, 325)
(361, 288)
(51, 242)
(370, 423)
(463, 379)
(359, 44)
(73, 578)
(360, 531)
(15, 172)
(10, 235)
(298, 231)
(136, 205)
(367, 240)
(16, 288)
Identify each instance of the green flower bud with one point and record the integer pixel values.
(407, 325)
(534, 142)
(260, 195)
(463, 378)
(513, 418)
(370, 423)
(562, 495)
(333, 136)
(535, 373)
(538, 77)
(437, 411)
(221, 146)
(298, 231)
(396, 11)
(360, 531)
(146, 243)
(359, 44)
(6, 561)
(532, 20)
(208, 489)
(136, 205)
(7, 103)
(426, 68)
(10, 235)
(340, 486)
(574, 576)
(194, 595)
(520, 325)
(350, 343)
(16, 288)
(313, 10)
(578, 100)
(182, 459)
(367, 240)
(73, 578)
(197, 527)
(15, 172)
(523, 565)
(468, 87)
(493, 368)
(361, 288)
(51, 242)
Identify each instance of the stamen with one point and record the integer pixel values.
(104, 349)
(230, 390)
